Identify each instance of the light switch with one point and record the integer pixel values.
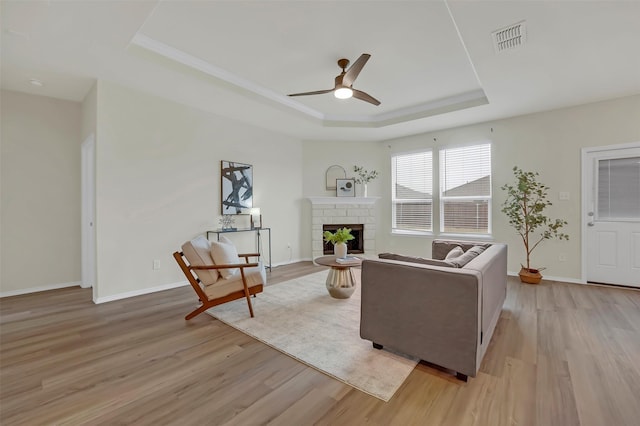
(563, 196)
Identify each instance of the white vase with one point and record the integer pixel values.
(364, 190)
(340, 250)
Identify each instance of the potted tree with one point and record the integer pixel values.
(524, 206)
(339, 240)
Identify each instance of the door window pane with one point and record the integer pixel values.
(619, 188)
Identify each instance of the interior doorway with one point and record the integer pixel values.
(88, 232)
(611, 215)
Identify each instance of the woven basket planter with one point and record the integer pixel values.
(530, 276)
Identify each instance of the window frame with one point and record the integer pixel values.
(443, 198)
(395, 201)
(438, 199)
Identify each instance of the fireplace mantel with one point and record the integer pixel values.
(343, 200)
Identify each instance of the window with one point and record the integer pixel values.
(618, 184)
(465, 190)
(412, 189)
(464, 182)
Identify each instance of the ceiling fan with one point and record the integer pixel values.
(343, 82)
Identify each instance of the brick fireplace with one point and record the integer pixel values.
(343, 211)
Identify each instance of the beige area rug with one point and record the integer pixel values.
(300, 319)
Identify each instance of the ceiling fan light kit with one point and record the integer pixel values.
(343, 87)
(343, 93)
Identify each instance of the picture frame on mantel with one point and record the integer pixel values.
(334, 172)
(345, 187)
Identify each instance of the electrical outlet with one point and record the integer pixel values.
(564, 196)
(562, 257)
(156, 264)
(288, 245)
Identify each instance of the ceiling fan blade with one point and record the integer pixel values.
(354, 70)
(317, 92)
(365, 97)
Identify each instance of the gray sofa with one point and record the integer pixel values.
(437, 310)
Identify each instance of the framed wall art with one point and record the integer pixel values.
(345, 187)
(237, 187)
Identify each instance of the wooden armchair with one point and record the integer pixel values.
(219, 283)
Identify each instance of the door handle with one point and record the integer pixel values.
(590, 224)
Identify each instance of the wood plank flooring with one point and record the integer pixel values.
(562, 354)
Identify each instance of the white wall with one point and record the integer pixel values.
(158, 184)
(40, 193)
(549, 143)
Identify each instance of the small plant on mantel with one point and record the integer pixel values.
(339, 240)
(524, 206)
(364, 177)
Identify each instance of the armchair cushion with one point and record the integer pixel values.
(255, 275)
(198, 253)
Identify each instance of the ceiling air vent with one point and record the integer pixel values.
(509, 38)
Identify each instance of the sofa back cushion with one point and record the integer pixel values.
(414, 259)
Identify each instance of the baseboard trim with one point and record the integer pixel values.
(140, 292)
(289, 262)
(552, 278)
(38, 289)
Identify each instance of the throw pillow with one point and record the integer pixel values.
(225, 240)
(224, 254)
(454, 252)
(467, 257)
(413, 259)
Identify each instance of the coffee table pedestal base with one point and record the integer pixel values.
(341, 283)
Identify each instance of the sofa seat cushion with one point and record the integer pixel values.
(198, 253)
(414, 259)
(255, 276)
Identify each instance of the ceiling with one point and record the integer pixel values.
(433, 63)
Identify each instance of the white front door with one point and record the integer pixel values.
(611, 209)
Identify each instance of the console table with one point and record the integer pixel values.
(258, 231)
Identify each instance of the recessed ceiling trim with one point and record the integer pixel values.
(184, 58)
(439, 106)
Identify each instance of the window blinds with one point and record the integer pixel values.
(465, 189)
(619, 189)
(412, 176)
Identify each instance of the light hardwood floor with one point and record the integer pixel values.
(562, 354)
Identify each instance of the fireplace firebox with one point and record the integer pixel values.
(354, 246)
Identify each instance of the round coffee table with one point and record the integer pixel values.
(341, 281)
